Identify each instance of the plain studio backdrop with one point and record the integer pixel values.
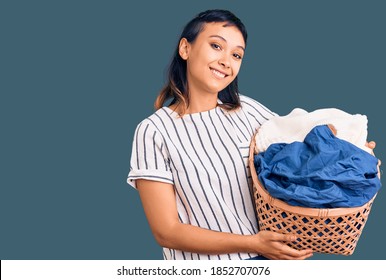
(78, 76)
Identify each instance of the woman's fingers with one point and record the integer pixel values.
(303, 257)
(274, 236)
(371, 144)
(297, 254)
(292, 253)
(276, 247)
(288, 253)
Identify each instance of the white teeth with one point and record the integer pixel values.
(218, 74)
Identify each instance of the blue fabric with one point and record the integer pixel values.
(257, 258)
(321, 172)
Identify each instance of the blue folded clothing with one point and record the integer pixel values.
(321, 172)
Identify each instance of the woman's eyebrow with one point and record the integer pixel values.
(223, 39)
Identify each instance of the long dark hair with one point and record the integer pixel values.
(177, 85)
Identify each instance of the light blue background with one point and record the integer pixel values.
(78, 76)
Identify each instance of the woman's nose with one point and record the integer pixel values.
(224, 62)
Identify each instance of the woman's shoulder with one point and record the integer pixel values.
(247, 100)
(155, 119)
(250, 104)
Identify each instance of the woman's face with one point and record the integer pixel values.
(214, 58)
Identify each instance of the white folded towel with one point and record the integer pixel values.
(297, 124)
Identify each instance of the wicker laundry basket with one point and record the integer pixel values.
(331, 231)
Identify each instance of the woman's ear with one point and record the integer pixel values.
(183, 48)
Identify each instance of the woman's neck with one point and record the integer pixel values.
(197, 104)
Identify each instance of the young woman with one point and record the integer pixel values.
(189, 159)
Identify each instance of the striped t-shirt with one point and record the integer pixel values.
(205, 156)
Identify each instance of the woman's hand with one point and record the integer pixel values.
(371, 145)
(271, 245)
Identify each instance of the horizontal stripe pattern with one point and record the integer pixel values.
(205, 156)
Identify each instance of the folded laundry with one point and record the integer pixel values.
(323, 171)
(297, 124)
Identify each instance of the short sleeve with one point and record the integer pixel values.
(256, 112)
(149, 156)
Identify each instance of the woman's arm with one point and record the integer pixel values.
(159, 202)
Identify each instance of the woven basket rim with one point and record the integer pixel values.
(305, 211)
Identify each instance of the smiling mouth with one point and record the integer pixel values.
(218, 74)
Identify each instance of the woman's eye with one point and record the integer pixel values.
(216, 46)
(236, 55)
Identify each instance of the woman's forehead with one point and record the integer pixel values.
(230, 33)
